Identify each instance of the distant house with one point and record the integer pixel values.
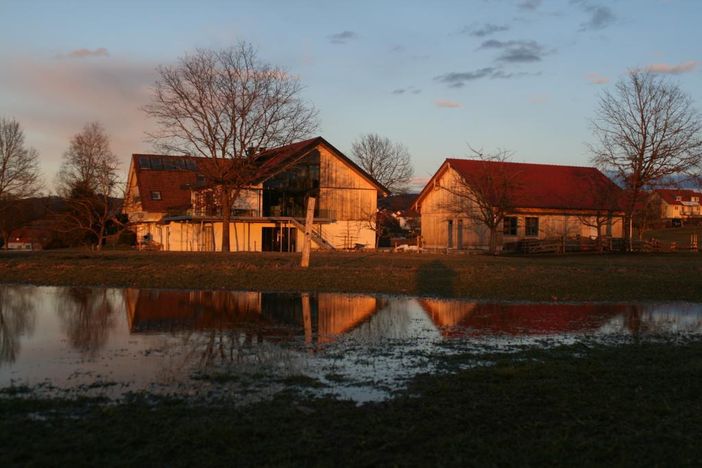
(547, 201)
(399, 219)
(172, 208)
(678, 204)
(29, 238)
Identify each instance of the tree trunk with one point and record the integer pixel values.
(226, 218)
(493, 241)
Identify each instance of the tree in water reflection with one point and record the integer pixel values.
(88, 316)
(17, 318)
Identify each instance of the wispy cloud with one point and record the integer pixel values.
(85, 53)
(538, 99)
(483, 30)
(459, 79)
(342, 37)
(596, 78)
(516, 51)
(408, 90)
(664, 68)
(55, 98)
(599, 16)
(530, 5)
(447, 104)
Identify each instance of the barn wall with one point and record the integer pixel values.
(344, 194)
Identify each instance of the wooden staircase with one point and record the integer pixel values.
(317, 238)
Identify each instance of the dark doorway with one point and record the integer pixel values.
(277, 239)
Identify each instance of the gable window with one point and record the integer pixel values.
(678, 198)
(695, 199)
(531, 227)
(509, 226)
(155, 195)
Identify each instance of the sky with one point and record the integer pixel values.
(436, 76)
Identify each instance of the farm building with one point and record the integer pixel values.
(171, 207)
(539, 201)
(678, 204)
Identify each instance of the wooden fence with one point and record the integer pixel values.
(560, 245)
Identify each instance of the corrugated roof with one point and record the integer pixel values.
(544, 185)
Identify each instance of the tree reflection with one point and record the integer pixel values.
(17, 318)
(88, 316)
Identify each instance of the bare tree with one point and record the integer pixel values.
(387, 162)
(225, 105)
(606, 197)
(647, 131)
(89, 181)
(487, 194)
(19, 171)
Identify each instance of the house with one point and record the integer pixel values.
(172, 208)
(398, 220)
(682, 205)
(541, 201)
(29, 238)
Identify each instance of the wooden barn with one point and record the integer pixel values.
(546, 201)
(170, 208)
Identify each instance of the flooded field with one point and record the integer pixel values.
(250, 345)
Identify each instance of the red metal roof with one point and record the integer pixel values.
(545, 185)
(670, 195)
(174, 176)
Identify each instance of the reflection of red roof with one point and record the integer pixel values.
(174, 176)
(545, 185)
(518, 319)
(670, 196)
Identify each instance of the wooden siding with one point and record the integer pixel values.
(344, 193)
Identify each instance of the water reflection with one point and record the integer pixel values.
(17, 319)
(88, 315)
(140, 338)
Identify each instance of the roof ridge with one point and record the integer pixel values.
(522, 163)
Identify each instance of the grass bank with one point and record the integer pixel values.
(643, 277)
(635, 405)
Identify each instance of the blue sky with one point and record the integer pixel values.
(523, 75)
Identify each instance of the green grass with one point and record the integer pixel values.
(635, 405)
(641, 277)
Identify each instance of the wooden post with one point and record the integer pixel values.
(306, 246)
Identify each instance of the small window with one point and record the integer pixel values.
(531, 227)
(155, 195)
(509, 224)
(678, 198)
(695, 199)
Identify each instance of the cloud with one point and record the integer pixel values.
(516, 51)
(664, 68)
(530, 5)
(408, 90)
(459, 79)
(342, 37)
(538, 99)
(447, 104)
(596, 78)
(85, 53)
(484, 30)
(599, 16)
(54, 99)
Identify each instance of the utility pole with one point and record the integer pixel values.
(306, 246)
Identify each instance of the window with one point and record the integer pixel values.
(155, 195)
(509, 224)
(695, 199)
(531, 227)
(678, 198)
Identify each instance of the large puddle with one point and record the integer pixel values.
(250, 345)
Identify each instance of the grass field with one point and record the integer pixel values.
(637, 404)
(634, 405)
(643, 277)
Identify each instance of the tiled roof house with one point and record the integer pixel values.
(172, 205)
(547, 200)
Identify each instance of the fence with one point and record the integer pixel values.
(559, 245)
